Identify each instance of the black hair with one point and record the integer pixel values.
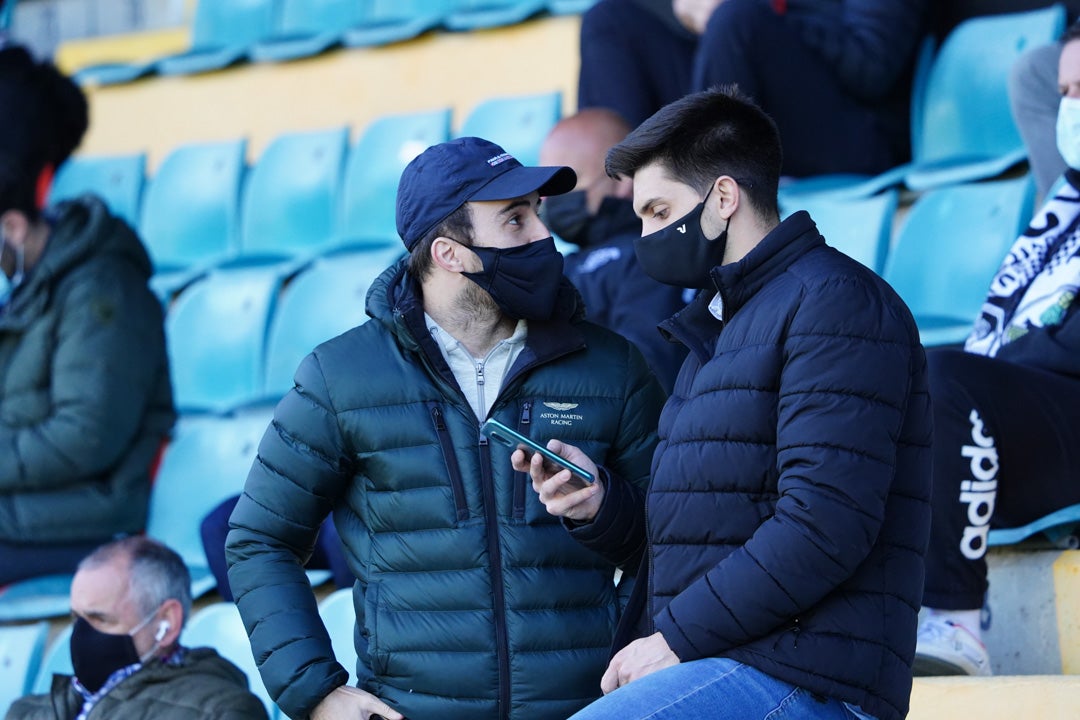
(705, 135)
(1071, 33)
(44, 116)
(456, 226)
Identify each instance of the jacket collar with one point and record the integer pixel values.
(697, 328)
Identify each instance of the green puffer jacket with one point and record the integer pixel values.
(85, 399)
(472, 602)
(204, 686)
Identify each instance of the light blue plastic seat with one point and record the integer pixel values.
(950, 246)
(519, 124)
(307, 28)
(206, 462)
(388, 144)
(116, 179)
(321, 302)
(1060, 528)
(339, 617)
(222, 33)
(41, 597)
(569, 7)
(7, 10)
(215, 332)
(390, 21)
(220, 627)
(57, 661)
(21, 649)
(290, 202)
(858, 227)
(479, 14)
(191, 212)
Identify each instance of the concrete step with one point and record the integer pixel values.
(1032, 697)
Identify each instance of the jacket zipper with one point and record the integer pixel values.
(491, 522)
(521, 479)
(450, 458)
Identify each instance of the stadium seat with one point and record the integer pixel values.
(57, 661)
(950, 246)
(519, 124)
(206, 462)
(369, 195)
(339, 617)
(216, 333)
(222, 33)
(219, 626)
(569, 7)
(307, 28)
(290, 203)
(21, 648)
(859, 227)
(40, 597)
(7, 10)
(191, 213)
(117, 179)
(478, 14)
(390, 21)
(1061, 528)
(323, 301)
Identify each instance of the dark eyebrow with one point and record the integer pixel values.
(515, 204)
(648, 204)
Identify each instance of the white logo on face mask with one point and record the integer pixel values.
(682, 228)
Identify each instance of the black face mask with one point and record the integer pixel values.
(523, 281)
(680, 254)
(567, 216)
(96, 655)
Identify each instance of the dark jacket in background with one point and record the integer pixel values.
(788, 513)
(472, 602)
(85, 398)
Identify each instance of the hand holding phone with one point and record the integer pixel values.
(513, 439)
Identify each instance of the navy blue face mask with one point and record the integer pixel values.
(680, 254)
(523, 281)
(96, 655)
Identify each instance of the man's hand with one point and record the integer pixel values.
(695, 14)
(560, 492)
(637, 660)
(350, 702)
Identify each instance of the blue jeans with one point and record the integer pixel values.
(716, 688)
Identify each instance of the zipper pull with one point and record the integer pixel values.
(526, 412)
(479, 373)
(436, 416)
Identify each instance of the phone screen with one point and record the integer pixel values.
(513, 439)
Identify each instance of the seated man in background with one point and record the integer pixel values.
(130, 600)
(598, 216)
(1006, 440)
(85, 399)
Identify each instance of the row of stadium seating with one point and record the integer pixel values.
(226, 32)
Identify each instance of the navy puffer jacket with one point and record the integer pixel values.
(471, 601)
(788, 514)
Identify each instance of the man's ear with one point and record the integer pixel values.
(451, 255)
(171, 622)
(15, 227)
(728, 195)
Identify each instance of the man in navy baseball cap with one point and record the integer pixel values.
(470, 595)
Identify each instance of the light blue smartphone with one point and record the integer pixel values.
(513, 439)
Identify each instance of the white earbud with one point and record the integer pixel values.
(162, 628)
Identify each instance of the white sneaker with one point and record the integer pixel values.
(945, 648)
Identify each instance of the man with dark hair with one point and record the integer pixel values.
(85, 398)
(130, 600)
(788, 510)
(471, 601)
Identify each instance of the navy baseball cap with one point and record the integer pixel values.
(446, 176)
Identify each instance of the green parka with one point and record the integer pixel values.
(85, 399)
(471, 600)
(204, 686)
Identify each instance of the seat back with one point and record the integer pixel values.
(220, 627)
(951, 244)
(206, 462)
(215, 333)
(116, 179)
(21, 648)
(321, 302)
(191, 213)
(57, 661)
(383, 10)
(966, 105)
(233, 23)
(860, 227)
(374, 167)
(519, 124)
(290, 203)
(314, 16)
(339, 617)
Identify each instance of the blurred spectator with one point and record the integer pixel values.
(598, 216)
(834, 76)
(130, 600)
(85, 400)
(326, 555)
(1034, 98)
(1006, 442)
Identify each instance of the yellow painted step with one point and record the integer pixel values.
(1027, 697)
